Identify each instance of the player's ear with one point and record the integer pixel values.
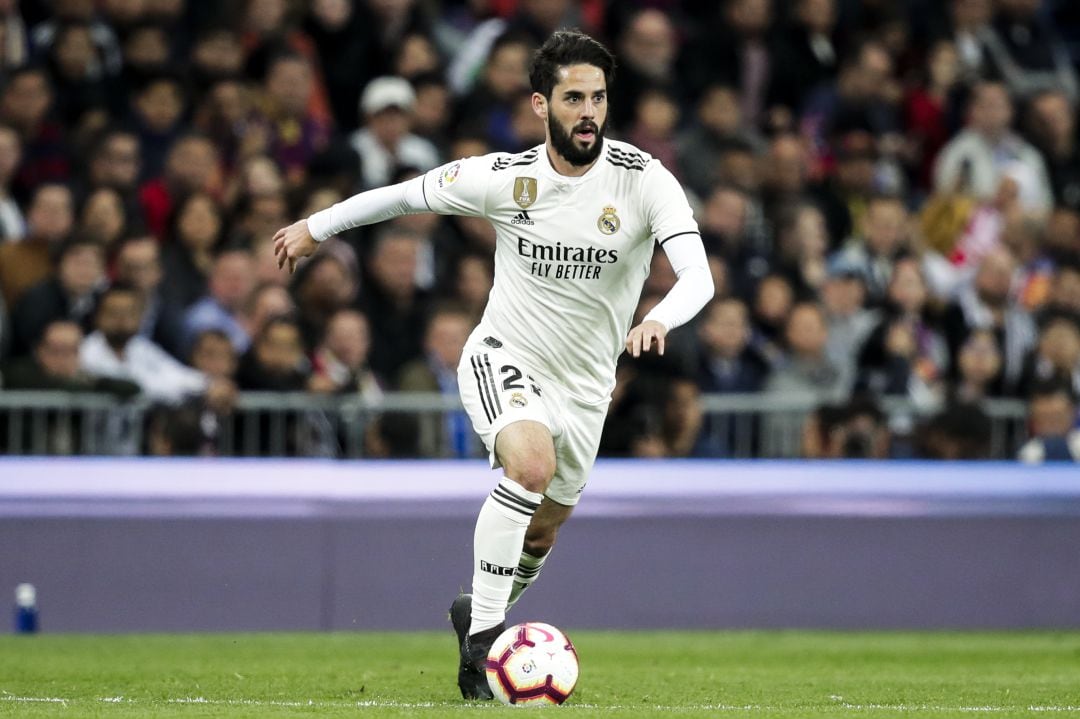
(540, 106)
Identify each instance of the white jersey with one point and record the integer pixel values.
(572, 253)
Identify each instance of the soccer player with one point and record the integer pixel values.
(575, 219)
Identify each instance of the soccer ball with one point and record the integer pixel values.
(532, 664)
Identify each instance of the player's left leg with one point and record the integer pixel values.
(539, 539)
(575, 454)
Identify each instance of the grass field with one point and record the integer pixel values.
(725, 674)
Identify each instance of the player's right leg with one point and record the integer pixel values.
(514, 423)
(527, 454)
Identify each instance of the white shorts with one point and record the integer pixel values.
(497, 389)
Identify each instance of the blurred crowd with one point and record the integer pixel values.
(888, 192)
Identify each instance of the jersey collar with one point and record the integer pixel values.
(550, 171)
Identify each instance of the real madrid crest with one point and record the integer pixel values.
(524, 191)
(608, 223)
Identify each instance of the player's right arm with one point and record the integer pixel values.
(457, 188)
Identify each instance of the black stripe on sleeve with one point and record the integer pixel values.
(679, 234)
(423, 189)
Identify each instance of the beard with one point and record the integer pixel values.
(564, 143)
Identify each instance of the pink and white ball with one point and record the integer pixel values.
(532, 664)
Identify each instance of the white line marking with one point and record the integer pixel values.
(391, 704)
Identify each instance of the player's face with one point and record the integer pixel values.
(577, 113)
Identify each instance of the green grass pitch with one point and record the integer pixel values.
(690, 674)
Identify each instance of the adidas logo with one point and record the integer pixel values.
(522, 218)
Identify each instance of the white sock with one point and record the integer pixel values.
(528, 570)
(497, 542)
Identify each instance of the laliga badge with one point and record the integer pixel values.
(608, 223)
(449, 175)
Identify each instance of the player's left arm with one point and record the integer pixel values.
(672, 223)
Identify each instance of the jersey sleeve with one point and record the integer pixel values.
(666, 208)
(459, 187)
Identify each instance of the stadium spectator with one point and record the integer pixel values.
(69, 294)
(342, 37)
(296, 132)
(25, 101)
(340, 362)
(393, 303)
(806, 369)
(1056, 355)
(974, 161)
(655, 118)
(324, 286)
(228, 287)
(732, 46)
(882, 238)
(78, 76)
(773, 300)
(843, 296)
(115, 349)
(54, 365)
(802, 241)
(116, 162)
(727, 231)
(1027, 53)
(50, 218)
(486, 109)
(104, 219)
(718, 126)
(905, 354)
(157, 116)
(726, 363)
(138, 263)
(188, 257)
(275, 361)
(808, 53)
(930, 109)
(1052, 424)
(846, 193)
(438, 434)
(267, 300)
(433, 111)
(216, 55)
(978, 366)
(473, 279)
(193, 165)
(1064, 291)
(213, 354)
(1052, 128)
(987, 303)
(386, 142)
(647, 52)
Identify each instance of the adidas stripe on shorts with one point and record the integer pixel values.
(498, 389)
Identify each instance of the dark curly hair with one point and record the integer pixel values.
(563, 48)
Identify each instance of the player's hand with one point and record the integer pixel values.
(293, 242)
(641, 338)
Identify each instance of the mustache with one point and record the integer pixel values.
(587, 126)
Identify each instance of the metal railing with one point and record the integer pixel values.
(406, 424)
